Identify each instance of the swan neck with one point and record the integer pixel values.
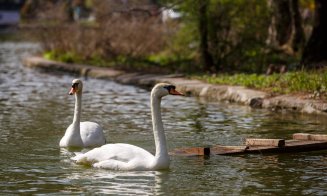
(158, 130)
(77, 112)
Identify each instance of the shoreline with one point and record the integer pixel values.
(196, 88)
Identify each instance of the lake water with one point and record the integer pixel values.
(35, 110)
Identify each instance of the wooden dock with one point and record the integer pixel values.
(301, 142)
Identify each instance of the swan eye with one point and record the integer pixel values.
(74, 85)
(170, 87)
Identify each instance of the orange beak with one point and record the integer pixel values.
(72, 91)
(175, 92)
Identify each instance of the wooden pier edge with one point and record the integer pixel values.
(265, 142)
(306, 136)
(301, 142)
(191, 151)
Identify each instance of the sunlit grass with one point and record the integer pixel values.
(291, 82)
(312, 82)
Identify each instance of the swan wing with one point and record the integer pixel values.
(116, 156)
(92, 134)
(71, 138)
(112, 164)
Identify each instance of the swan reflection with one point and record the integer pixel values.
(100, 181)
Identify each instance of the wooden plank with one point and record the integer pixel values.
(290, 146)
(318, 137)
(301, 143)
(301, 136)
(227, 150)
(265, 142)
(313, 137)
(192, 151)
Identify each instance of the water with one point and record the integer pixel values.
(35, 110)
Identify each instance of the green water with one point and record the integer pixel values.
(35, 110)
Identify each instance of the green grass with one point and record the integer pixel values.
(309, 82)
(69, 57)
(292, 82)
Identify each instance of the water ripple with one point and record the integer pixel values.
(35, 110)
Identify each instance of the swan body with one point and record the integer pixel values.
(118, 157)
(129, 157)
(91, 135)
(81, 134)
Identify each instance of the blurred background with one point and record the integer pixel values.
(274, 45)
(255, 36)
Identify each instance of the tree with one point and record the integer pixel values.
(315, 51)
(206, 57)
(298, 37)
(221, 35)
(286, 31)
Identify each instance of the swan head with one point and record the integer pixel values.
(163, 89)
(77, 86)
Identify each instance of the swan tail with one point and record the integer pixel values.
(79, 158)
(111, 164)
(78, 153)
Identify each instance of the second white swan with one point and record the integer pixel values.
(81, 134)
(130, 157)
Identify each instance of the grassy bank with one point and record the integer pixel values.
(313, 83)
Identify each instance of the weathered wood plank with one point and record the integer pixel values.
(265, 142)
(318, 137)
(306, 136)
(192, 151)
(301, 143)
(290, 146)
(225, 150)
(301, 136)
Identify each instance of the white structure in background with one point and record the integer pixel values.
(169, 14)
(9, 18)
(10, 12)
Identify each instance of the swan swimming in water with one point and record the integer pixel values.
(129, 157)
(81, 134)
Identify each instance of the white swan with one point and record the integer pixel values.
(130, 157)
(81, 134)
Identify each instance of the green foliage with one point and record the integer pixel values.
(237, 31)
(180, 53)
(67, 57)
(291, 82)
(49, 55)
(184, 43)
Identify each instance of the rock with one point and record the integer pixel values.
(256, 102)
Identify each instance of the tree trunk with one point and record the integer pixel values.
(298, 37)
(279, 30)
(315, 52)
(285, 31)
(206, 57)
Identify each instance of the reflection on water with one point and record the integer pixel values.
(35, 110)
